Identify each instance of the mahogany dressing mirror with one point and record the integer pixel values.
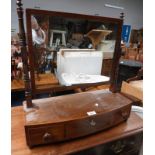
(69, 46)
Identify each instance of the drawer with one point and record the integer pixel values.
(44, 135)
(95, 123)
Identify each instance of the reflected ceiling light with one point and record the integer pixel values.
(114, 6)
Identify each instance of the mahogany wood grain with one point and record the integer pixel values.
(22, 41)
(74, 106)
(132, 126)
(70, 116)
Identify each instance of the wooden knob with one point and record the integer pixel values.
(92, 123)
(118, 147)
(124, 114)
(47, 137)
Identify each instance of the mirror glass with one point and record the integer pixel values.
(70, 51)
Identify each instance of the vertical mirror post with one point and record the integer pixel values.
(113, 86)
(22, 40)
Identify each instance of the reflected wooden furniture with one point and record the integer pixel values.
(62, 38)
(134, 88)
(17, 85)
(133, 126)
(101, 87)
(131, 53)
(136, 35)
(45, 81)
(106, 67)
(140, 55)
(96, 36)
(127, 69)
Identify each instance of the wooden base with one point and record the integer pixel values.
(27, 110)
(133, 126)
(71, 116)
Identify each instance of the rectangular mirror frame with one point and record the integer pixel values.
(115, 60)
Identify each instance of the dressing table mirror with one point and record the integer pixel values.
(76, 45)
(68, 51)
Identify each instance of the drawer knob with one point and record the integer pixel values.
(118, 147)
(125, 115)
(47, 137)
(92, 123)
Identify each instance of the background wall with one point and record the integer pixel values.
(133, 9)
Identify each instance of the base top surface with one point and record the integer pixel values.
(76, 106)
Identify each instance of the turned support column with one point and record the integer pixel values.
(22, 41)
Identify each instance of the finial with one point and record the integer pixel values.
(122, 15)
(19, 3)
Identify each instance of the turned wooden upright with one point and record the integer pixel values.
(116, 57)
(22, 41)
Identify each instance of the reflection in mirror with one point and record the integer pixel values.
(72, 51)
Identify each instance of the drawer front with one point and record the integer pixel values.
(36, 135)
(44, 135)
(96, 123)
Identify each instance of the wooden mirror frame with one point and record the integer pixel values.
(117, 51)
(30, 87)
